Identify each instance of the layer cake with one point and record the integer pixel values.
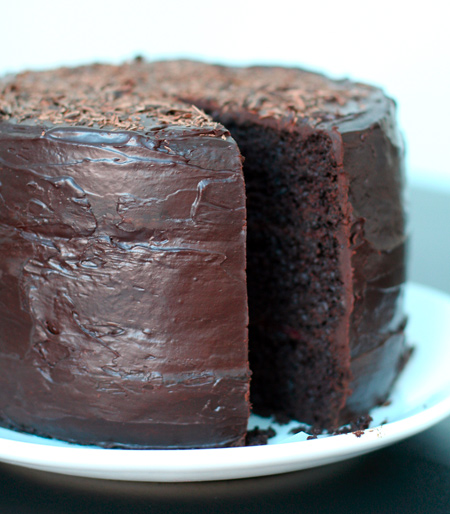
(123, 251)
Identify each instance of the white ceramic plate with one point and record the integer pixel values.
(421, 398)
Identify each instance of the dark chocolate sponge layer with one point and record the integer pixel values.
(323, 172)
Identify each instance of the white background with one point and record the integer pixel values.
(402, 46)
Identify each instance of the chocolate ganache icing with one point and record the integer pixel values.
(123, 299)
(122, 227)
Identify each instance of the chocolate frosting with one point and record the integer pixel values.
(118, 203)
(123, 298)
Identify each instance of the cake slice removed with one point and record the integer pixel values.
(324, 174)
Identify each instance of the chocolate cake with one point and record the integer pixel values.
(123, 295)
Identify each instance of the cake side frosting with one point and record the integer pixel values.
(373, 158)
(123, 298)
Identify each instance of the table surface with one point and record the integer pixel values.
(412, 476)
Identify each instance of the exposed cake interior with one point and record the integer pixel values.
(295, 284)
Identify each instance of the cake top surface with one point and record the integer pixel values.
(96, 96)
(292, 94)
(144, 96)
